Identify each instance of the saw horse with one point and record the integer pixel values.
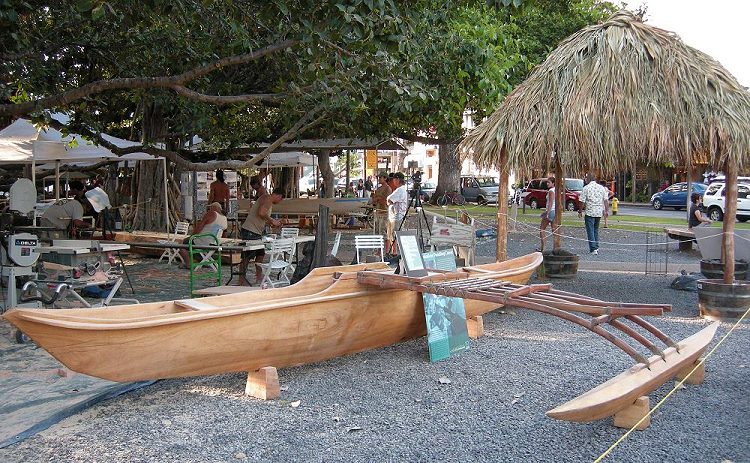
(619, 394)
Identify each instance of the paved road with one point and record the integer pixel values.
(651, 212)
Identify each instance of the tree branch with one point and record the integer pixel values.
(302, 125)
(175, 83)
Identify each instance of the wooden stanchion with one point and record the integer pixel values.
(263, 384)
(630, 415)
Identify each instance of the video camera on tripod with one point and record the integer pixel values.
(416, 177)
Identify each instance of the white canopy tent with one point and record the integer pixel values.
(23, 143)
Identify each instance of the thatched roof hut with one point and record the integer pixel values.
(615, 94)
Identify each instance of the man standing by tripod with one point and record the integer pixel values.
(397, 205)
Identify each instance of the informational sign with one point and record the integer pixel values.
(411, 255)
(445, 316)
(440, 260)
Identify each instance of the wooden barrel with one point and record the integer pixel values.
(720, 301)
(713, 269)
(560, 264)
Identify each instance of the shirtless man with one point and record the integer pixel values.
(254, 228)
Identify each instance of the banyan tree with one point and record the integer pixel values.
(610, 96)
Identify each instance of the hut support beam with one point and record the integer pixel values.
(559, 203)
(730, 213)
(501, 252)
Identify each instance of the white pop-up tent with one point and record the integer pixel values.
(23, 143)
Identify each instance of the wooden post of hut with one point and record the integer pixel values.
(559, 203)
(501, 250)
(730, 212)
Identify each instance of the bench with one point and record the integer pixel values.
(684, 236)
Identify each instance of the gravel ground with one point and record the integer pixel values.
(388, 405)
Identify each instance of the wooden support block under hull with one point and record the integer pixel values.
(632, 414)
(698, 375)
(475, 325)
(263, 384)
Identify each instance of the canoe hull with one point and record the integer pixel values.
(295, 328)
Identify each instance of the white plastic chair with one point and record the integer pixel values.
(364, 242)
(289, 232)
(180, 233)
(277, 262)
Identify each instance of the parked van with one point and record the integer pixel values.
(481, 190)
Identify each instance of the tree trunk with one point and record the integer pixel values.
(324, 163)
(348, 169)
(449, 171)
(147, 194)
(284, 178)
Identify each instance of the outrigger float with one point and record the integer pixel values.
(336, 311)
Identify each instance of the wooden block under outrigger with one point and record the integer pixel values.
(263, 384)
(475, 326)
(632, 414)
(696, 377)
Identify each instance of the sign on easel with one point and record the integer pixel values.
(445, 316)
(411, 254)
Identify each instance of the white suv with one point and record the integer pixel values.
(713, 201)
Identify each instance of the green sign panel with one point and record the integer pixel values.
(446, 316)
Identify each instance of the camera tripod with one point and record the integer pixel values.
(416, 202)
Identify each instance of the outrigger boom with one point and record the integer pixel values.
(612, 396)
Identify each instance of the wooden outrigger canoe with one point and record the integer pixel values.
(336, 311)
(327, 314)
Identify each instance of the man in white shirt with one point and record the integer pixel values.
(398, 202)
(593, 197)
(67, 212)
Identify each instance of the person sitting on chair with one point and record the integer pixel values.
(67, 213)
(213, 222)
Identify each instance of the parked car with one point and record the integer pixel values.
(713, 201)
(481, 190)
(721, 178)
(535, 195)
(574, 184)
(675, 195)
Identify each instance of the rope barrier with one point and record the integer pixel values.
(524, 224)
(675, 388)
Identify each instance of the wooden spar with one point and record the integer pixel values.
(730, 213)
(537, 298)
(559, 203)
(653, 330)
(501, 251)
(637, 336)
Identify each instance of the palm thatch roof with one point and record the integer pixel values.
(615, 94)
